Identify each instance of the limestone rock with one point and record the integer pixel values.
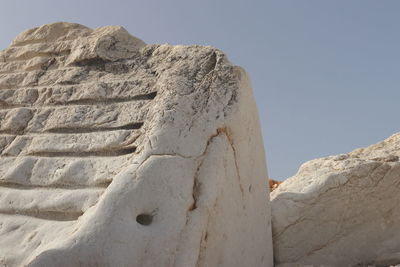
(341, 210)
(118, 153)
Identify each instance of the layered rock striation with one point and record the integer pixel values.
(118, 153)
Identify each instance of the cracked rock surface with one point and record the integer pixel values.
(341, 210)
(118, 153)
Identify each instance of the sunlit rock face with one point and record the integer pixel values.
(118, 153)
(341, 210)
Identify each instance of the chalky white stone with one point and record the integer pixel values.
(118, 153)
(341, 210)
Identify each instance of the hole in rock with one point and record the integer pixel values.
(144, 219)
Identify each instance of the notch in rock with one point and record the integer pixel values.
(66, 130)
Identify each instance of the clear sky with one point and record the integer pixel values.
(326, 74)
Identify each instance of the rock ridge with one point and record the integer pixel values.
(341, 210)
(112, 153)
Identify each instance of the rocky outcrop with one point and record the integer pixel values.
(341, 210)
(118, 153)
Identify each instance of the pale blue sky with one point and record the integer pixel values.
(326, 74)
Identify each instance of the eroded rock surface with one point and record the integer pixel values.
(341, 210)
(118, 153)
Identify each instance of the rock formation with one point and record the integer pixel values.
(118, 153)
(341, 210)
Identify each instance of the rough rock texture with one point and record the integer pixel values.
(117, 153)
(341, 210)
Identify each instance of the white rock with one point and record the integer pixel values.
(117, 153)
(341, 210)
